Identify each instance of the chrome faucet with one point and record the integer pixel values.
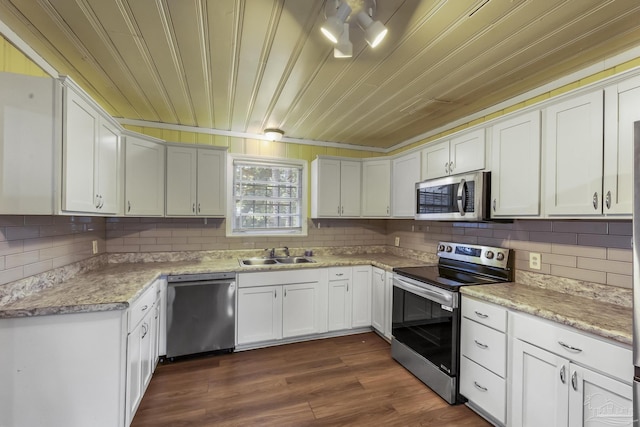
(272, 252)
(286, 251)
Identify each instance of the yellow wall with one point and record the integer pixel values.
(13, 60)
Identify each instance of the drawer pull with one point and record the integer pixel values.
(144, 308)
(574, 380)
(570, 348)
(479, 344)
(481, 315)
(563, 374)
(479, 387)
(339, 274)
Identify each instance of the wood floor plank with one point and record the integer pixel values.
(349, 380)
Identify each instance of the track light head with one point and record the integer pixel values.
(334, 25)
(374, 31)
(344, 47)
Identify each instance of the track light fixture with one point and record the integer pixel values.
(274, 134)
(341, 14)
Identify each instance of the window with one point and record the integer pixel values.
(267, 197)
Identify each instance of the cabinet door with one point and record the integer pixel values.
(146, 350)
(515, 166)
(350, 176)
(361, 297)
(435, 160)
(144, 177)
(259, 314)
(376, 187)
(466, 152)
(573, 160)
(540, 387)
(340, 304)
(181, 181)
(79, 141)
(300, 309)
(597, 400)
(406, 172)
(622, 109)
(107, 168)
(211, 182)
(378, 299)
(326, 186)
(134, 372)
(26, 144)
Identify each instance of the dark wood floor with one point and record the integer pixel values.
(338, 381)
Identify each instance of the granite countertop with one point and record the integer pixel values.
(116, 286)
(586, 314)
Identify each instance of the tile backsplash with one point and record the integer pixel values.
(596, 251)
(35, 244)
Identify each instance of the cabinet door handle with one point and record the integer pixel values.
(129, 206)
(145, 329)
(479, 387)
(574, 380)
(193, 208)
(347, 287)
(481, 315)
(342, 213)
(595, 200)
(97, 201)
(144, 308)
(446, 167)
(563, 374)
(338, 210)
(387, 210)
(198, 207)
(285, 293)
(607, 200)
(494, 204)
(451, 166)
(275, 293)
(481, 345)
(570, 348)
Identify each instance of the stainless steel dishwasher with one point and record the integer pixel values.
(200, 313)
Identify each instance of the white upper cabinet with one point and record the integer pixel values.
(622, 109)
(144, 176)
(406, 172)
(376, 188)
(515, 166)
(573, 156)
(26, 144)
(335, 188)
(90, 157)
(460, 154)
(195, 181)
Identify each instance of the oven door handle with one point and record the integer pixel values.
(439, 297)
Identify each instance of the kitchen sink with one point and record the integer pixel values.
(271, 261)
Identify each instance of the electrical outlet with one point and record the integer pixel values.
(397, 241)
(94, 245)
(535, 261)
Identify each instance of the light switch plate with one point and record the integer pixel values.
(397, 241)
(94, 245)
(535, 261)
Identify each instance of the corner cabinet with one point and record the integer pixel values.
(376, 188)
(90, 156)
(195, 180)
(144, 176)
(515, 167)
(27, 143)
(335, 188)
(463, 153)
(405, 175)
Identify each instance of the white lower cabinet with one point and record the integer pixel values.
(340, 298)
(382, 301)
(280, 304)
(361, 297)
(483, 360)
(561, 377)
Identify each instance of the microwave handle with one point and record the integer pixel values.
(462, 193)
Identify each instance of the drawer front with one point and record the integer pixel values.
(484, 346)
(483, 388)
(339, 273)
(488, 314)
(607, 357)
(142, 306)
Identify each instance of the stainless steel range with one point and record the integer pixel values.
(426, 310)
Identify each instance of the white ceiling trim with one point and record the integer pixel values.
(209, 131)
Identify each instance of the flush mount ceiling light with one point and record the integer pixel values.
(341, 14)
(274, 134)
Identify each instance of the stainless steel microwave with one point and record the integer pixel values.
(462, 197)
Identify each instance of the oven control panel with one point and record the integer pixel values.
(477, 254)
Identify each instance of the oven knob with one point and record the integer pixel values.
(440, 248)
(449, 248)
(489, 255)
(500, 256)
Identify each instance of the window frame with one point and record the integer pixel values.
(274, 162)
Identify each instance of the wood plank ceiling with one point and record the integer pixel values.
(244, 65)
